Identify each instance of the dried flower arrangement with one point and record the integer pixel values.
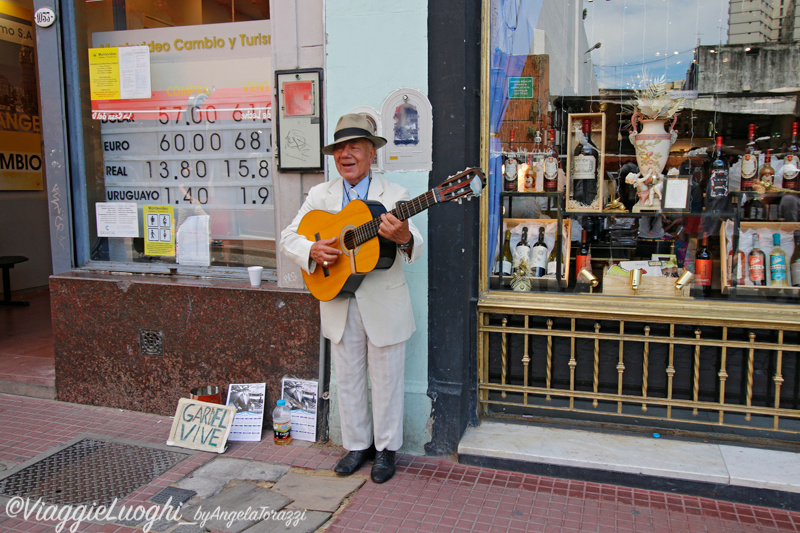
(655, 101)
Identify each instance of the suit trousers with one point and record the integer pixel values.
(353, 357)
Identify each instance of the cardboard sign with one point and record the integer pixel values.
(201, 425)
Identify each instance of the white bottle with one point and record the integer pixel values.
(282, 423)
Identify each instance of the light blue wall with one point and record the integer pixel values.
(374, 47)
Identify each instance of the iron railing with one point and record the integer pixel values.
(693, 369)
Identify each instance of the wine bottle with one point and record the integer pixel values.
(510, 175)
(552, 262)
(767, 174)
(736, 267)
(756, 263)
(584, 167)
(703, 266)
(749, 162)
(551, 164)
(791, 163)
(522, 251)
(777, 263)
(794, 263)
(539, 256)
(753, 209)
(584, 257)
(506, 260)
(718, 180)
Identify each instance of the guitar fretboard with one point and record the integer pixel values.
(404, 211)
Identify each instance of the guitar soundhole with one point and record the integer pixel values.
(349, 240)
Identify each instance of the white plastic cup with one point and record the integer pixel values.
(255, 275)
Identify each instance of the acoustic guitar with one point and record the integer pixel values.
(356, 227)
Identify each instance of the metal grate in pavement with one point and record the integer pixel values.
(90, 472)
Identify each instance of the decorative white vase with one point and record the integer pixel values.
(652, 144)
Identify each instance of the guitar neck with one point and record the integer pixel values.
(404, 211)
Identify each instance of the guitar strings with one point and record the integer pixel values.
(404, 211)
(369, 230)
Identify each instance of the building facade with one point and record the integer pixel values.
(179, 139)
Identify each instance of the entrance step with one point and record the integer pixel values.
(25, 375)
(730, 472)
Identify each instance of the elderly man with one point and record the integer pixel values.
(369, 330)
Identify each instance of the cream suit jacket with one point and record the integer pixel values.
(383, 295)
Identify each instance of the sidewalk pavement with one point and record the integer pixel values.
(297, 484)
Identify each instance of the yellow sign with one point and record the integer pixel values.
(20, 161)
(159, 230)
(104, 73)
(20, 127)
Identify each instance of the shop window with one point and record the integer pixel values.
(581, 198)
(178, 134)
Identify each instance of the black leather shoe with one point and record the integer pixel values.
(353, 461)
(383, 469)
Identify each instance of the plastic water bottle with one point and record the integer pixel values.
(282, 423)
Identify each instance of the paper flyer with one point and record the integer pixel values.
(116, 219)
(159, 230)
(301, 397)
(192, 241)
(248, 399)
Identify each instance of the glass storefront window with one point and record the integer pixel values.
(604, 171)
(177, 133)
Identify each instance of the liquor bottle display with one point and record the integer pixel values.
(584, 257)
(539, 256)
(756, 264)
(584, 167)
(551, 164)
(777, 263)
(750, 162)
(767, 174)
(718, 180)
(702, 265)
(794, 262)
(791, 163)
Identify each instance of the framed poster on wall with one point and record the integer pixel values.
(299, 119)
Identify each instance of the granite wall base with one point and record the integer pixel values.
(214, 332)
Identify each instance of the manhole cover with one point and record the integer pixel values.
(90, 472)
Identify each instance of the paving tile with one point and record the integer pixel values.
(210, 478)
(291, 520)
(317, 493)
(236, 508)
(189, 528)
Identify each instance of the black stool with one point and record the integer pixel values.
(7, 262)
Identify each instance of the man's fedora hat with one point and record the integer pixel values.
(353, 126)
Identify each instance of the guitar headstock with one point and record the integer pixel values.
(465, 184)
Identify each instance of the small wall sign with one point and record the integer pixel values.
(44, 17)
